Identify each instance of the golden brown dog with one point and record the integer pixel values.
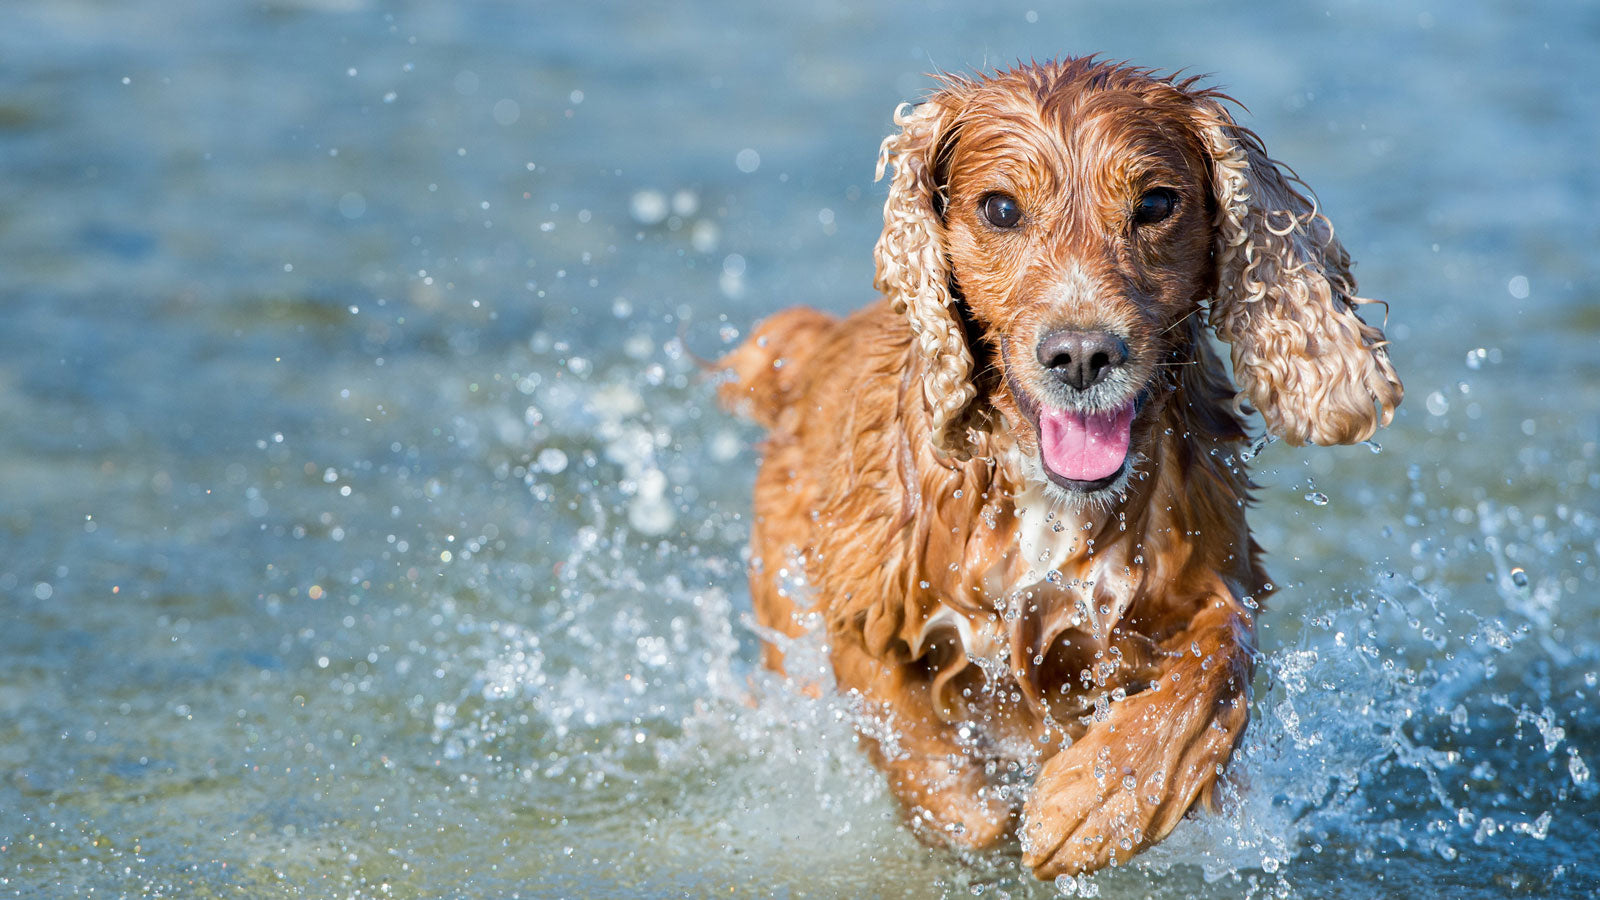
(1014, 486)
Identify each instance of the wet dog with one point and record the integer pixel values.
(1015, 485)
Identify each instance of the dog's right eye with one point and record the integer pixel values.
(1155, 206)
(1001, 211)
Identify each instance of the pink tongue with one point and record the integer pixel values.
(1084, 447)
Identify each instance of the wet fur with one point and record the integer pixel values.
(995, 624)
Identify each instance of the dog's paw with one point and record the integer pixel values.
(1123, 786)
(1086, 809)
(952, 804)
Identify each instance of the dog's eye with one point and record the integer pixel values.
(1001, 211)
(1154, 206)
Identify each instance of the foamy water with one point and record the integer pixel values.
(368, 529)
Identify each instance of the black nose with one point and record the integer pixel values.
(1082, 358)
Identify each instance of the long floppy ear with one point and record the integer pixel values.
(1286, 301)
(913, 268)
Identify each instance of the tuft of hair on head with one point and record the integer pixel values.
(1286, 301)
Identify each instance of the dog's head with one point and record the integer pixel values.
(1064, 222)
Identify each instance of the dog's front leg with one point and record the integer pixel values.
(941, 784)
(1130, 779)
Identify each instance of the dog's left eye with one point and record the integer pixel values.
(1001, 211)
(1154, 206)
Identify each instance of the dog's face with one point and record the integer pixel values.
(1052, 230)
(1078, 222)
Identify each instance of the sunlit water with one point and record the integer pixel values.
(366, 528)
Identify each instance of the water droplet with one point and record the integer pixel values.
(1540, 829)
(648, 207)
(551, 460)
(1577, 768)
(1317, 498)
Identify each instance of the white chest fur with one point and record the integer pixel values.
(1057, 581)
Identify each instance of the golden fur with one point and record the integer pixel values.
(1000, 627)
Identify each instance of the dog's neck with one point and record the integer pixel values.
(1147, 534)
(1058, 538)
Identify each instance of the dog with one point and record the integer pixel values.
(1014, 487)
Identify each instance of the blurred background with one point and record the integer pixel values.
(366, 529)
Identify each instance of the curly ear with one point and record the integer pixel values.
(1286, 301)
(913, 268)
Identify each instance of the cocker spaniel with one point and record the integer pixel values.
(1014, 487)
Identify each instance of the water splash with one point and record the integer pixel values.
(1367, 741)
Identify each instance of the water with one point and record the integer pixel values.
(367, 530)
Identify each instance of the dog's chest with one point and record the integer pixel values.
(1057, 560)
(1052, 581)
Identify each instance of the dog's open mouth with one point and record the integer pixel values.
(1083, 449)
